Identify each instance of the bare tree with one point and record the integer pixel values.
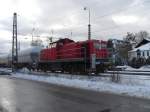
(137, 37)
(141, 35)
(130, 37)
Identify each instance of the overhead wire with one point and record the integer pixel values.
(109, 14)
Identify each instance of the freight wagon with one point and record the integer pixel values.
(28, 58)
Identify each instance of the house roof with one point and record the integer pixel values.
(143, 42)
(142, 48)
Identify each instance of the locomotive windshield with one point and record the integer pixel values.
(99, 45)
(103, 45)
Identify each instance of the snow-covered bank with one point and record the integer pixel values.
(129, 68)
(6, 69)
(141, 90)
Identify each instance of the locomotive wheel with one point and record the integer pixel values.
(100, 69)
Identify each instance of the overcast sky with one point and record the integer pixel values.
(109, 19)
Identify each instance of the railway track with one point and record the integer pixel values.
(129, 72)
(69, 74)
(106, 74)
(121, 77)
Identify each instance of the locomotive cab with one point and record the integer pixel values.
(98, 55)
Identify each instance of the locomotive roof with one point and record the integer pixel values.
(63, 40)
(94, 40)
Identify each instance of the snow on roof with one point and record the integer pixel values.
(143, 47)
(143, 42)
(147, 39)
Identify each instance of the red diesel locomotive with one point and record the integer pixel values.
(74, 57)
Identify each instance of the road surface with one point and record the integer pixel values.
(18, 95)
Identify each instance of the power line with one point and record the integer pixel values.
(113, 27)
(121, 10)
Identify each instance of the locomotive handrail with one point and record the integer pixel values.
(71, 49)
(72, 53)
(76, 48)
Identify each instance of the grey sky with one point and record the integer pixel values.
(109, 18)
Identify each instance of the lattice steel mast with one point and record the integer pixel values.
(14, 43)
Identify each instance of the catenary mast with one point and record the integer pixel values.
(14, 43)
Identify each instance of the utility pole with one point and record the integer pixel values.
(14, 43)
(89, 25)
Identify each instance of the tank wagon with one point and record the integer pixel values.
(68, 56)
(28, 58)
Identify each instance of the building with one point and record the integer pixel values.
(142, 50)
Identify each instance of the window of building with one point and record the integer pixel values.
(147, 53)
(143, 54)
(140, 54)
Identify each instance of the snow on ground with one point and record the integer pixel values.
(129, 68)
(138, 86)
(145, 68)
(6, 69)
(132, 85)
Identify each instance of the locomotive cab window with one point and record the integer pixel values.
(100, 45)
(53, 45)
(97, 46)
(103, 45)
